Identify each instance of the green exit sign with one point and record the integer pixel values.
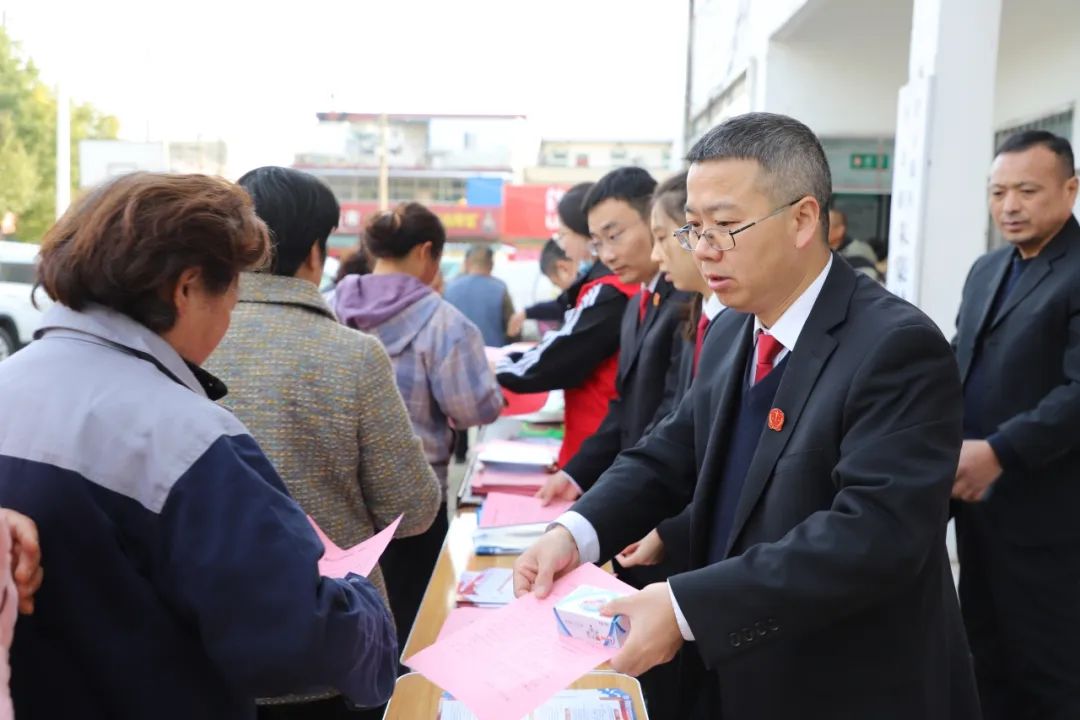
(869, 161)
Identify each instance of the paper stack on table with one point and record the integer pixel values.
(486, 480)
(551, 432)
(585, 704)
(516, 657)
(512, 540)
(532, 455)
(493, 587)
(504, 509)
(510, 523)
(513, 466)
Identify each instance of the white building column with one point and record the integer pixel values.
(944, 145)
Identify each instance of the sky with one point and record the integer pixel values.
(255, 73)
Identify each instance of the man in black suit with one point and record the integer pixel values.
(665, 550)
(825, 446)
(618, 209)
(1018, 483)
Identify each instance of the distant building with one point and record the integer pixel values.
(455, 164)
(100, 160)
(909, 99)
(208, 158)
(574, 161)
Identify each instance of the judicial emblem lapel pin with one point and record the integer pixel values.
(776, 419)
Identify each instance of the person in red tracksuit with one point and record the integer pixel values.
(582, 357)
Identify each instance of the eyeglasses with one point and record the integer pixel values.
(613, 240)
(717, 239)
(560, 239)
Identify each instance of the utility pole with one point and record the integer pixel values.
(63, 149)
(384, 162)
(688, 107)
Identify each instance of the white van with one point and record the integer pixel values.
(18, 316)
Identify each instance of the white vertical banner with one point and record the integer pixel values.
(925, 37)
(907, 231)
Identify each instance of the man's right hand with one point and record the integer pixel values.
(649, 550)
(552, 556)
(558, 486)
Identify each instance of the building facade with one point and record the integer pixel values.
(909, 98)
(100, 160)
(455, 164)
(568, 162)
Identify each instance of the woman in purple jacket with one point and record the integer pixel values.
(439, 363)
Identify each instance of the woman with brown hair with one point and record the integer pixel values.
(183, 580)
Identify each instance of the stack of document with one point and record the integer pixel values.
(534, 455)
(486, 480)
(595, 704)
(549, 432)
(511, 540)
(508, 509)
(513, 466)
(509, 523)
(493, 587)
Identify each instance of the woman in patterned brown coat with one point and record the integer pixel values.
(320, 398)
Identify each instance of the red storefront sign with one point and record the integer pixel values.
(460, 221)
(531, 211)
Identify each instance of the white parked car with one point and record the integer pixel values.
(18, 316)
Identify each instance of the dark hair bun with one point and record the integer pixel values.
(394, 233)
(383, 227)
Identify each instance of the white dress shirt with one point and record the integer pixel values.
(790, 325)
(711, 306)
(787, 330)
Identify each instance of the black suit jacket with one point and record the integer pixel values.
(724, 332)
(836, 598)
(646, 351)
(1031, 354)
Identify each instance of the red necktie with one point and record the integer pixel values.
(768, 348)
(646, 296)
(702, 329)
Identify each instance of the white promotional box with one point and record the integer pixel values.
(578, 616)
